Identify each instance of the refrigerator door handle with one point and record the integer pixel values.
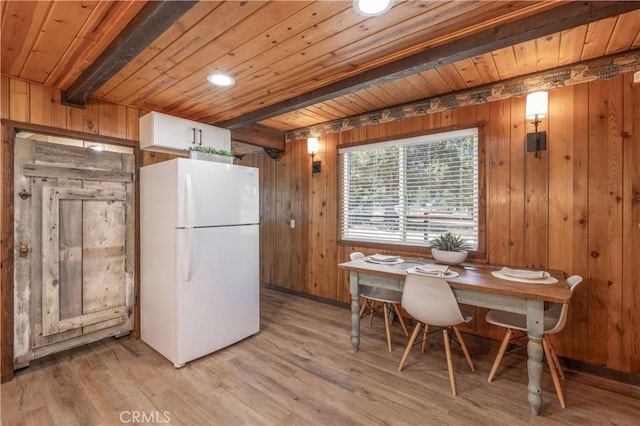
(189, 200)
(187, 274)
(189, 224)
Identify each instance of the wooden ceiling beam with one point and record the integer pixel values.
(259, 135)
(152, 20)
(563, 17)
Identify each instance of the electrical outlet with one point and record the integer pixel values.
(292, 223)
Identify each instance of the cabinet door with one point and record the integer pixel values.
(101, 223)
(215, 137)
(183, 133)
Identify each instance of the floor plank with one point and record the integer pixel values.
(300, 369)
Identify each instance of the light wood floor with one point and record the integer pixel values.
(300, 369)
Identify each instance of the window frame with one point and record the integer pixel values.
(478, 255)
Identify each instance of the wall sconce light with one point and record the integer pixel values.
(537, 108)
(313, 146)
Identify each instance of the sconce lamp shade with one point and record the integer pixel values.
(313, 146)
(537, 105)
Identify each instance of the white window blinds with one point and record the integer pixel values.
(410, 191)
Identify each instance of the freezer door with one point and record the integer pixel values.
(218, 289)
(216, 194)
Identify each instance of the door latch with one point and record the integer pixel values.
(24, 194)
(24, 249)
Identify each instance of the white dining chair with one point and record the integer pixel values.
(555, 319)
(431, 301)
(380, 300)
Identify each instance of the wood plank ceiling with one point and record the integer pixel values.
(277, 50)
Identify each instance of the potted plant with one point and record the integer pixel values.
(207, 153)
(449, 249)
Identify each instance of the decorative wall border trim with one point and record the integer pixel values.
(604, 68)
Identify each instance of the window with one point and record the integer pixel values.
(410, 191)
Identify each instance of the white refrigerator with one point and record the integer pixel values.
(199, 283)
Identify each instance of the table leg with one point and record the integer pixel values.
(355, 310)
(535, 330)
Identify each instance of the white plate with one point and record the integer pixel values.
(396, 261)
(383, 257)
(448, 274)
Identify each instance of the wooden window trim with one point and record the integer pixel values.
(480, 255)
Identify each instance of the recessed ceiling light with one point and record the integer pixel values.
(221, 80)
(372, 7)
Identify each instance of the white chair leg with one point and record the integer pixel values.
(554, 373)
(412, 340)
(464, 348)
(447, 349)
(501, 351)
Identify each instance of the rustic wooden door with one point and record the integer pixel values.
(74, 257)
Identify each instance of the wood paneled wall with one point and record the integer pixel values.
(576, 209)
(35, 104)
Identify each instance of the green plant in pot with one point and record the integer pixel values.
(207, 153)
(449, 249)
(209, 150)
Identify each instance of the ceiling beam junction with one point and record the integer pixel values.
(259, 135)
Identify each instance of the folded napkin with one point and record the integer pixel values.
(431, 269)
(523, 273)
(383, 258)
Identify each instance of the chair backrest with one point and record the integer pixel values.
(431, 301)
(559, 310)
(356, 255)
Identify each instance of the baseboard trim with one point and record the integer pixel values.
(598, 370)
(306, 295)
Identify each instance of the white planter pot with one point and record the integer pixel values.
(449, 257)
(197, 155)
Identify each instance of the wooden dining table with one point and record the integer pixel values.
(475, 285)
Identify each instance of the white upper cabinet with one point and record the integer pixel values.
(164, 133)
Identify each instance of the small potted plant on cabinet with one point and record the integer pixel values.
(207, 153)
(449, 249)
